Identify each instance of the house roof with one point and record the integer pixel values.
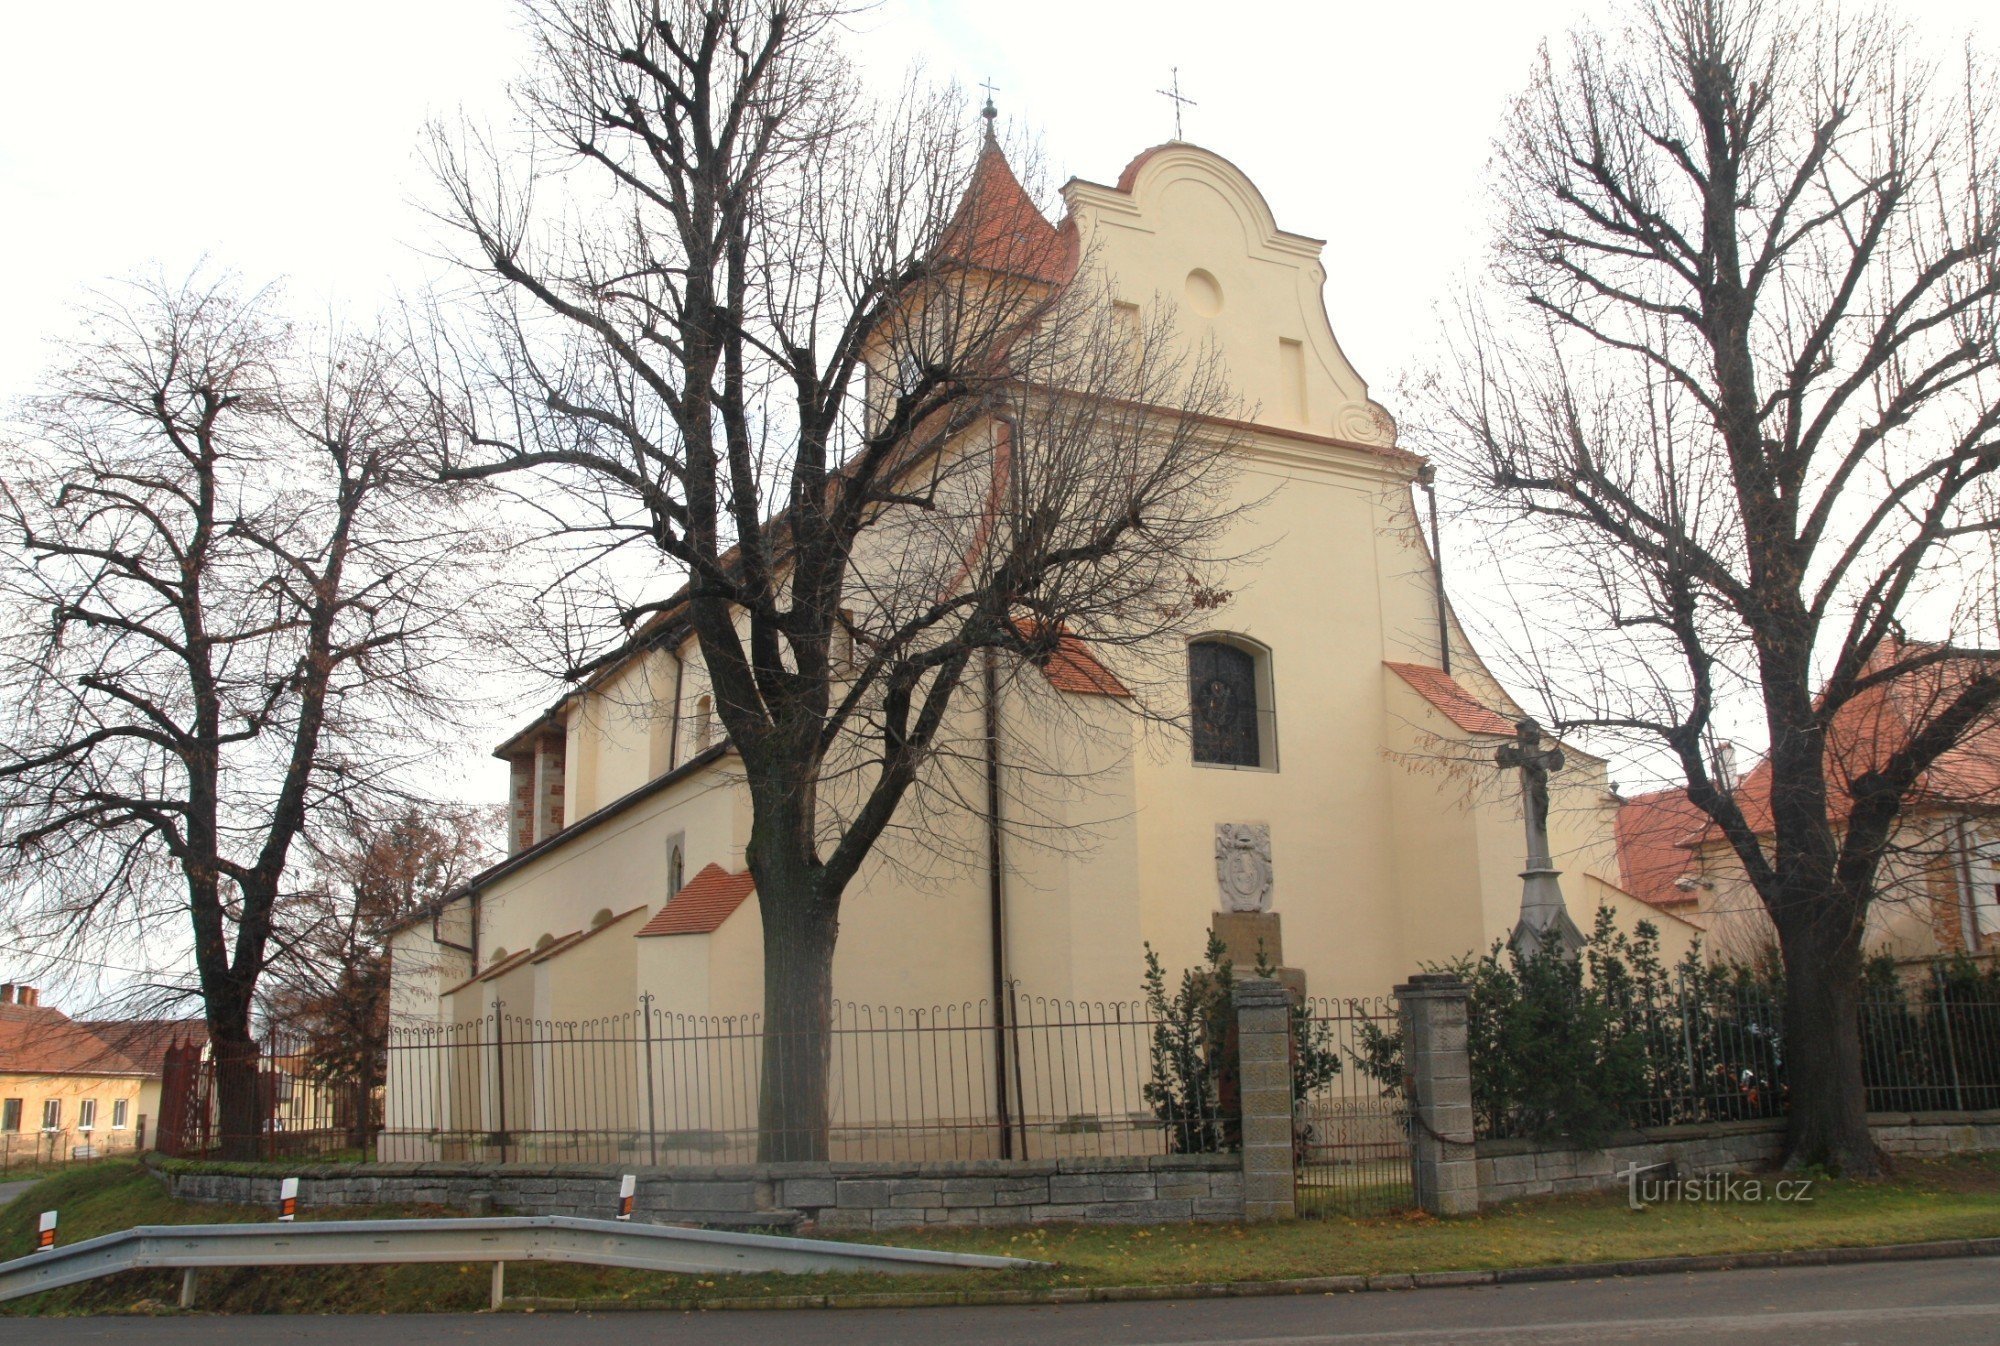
(500, 969)
(709, 899)
(38, 1040)
(1653, 831)
(145, 1041)
(1449, 696)
(1872, 727)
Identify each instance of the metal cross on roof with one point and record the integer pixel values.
(1180, 99)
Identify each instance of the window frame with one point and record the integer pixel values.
(51, 1114)
(1265, 682)
(121, 1114)
(13, 1111)
(86, 1114)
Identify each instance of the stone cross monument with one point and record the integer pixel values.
(1544, 917)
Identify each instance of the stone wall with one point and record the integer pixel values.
(766, 1196)
(1512, 1169)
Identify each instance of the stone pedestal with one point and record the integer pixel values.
(1244, 934)
(1264, 1046)
(1438, 1078)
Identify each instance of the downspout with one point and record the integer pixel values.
(1426, 478)
(674, 726)
(996, 899)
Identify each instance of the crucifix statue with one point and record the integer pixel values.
(1180, 100)
(1543, 915)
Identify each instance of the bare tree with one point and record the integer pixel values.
(825, 360)
(328, 980)
(1727, 410)
(231, 589)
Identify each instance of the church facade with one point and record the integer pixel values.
(1336, 801)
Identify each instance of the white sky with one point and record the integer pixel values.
(279, 138)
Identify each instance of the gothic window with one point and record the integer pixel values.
(676, 866)
(1228, 704)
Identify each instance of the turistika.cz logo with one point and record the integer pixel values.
(1642, 1191)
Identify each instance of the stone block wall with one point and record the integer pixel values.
(1511, 1169)
(836, 1196)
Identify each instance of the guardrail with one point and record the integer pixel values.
(495, 1239)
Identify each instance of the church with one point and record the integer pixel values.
(1333, 807)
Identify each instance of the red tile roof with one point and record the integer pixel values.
(1875, 724)
(1071, 667)
(1450, 697)
(145, 1041)
(709, 899)
(37, 1040)
(997, 227)
(1654, 831)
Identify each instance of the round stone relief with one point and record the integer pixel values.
(1204, 295)
(1243, 866)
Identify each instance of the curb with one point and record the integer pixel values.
(1310, 1285)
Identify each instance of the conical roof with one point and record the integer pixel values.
(998, 228)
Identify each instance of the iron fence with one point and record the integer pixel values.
(60, 1147)
(1351, 1126)
(1048, 1079)
(1718, 1054)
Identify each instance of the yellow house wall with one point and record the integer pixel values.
(34, 1090)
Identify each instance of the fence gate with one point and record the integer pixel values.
(1351, 1130)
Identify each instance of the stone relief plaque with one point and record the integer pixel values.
(1243, 866)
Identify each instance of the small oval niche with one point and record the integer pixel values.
(1204, 296)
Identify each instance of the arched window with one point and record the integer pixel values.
(676, 865)
(704, 723)
(1229, 703)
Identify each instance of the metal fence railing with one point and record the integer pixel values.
(1049, 1079)
(1351, 1127)
(1719, 1053)
(59, 1147)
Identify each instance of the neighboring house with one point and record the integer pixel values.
(1337, 776)
(145, 1042)
(1940, 885)
(65, 1092)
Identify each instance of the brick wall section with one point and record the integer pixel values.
(1511, 1169)
(842, 1196)
(1263, 1035)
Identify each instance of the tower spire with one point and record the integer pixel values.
(989, 111)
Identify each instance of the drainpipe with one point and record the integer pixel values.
(997, 902)
(674, 726)
(1426, 478)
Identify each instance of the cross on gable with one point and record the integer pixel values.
(1178, 98)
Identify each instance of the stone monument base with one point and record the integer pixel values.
(1253, 937)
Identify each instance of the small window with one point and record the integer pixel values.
(10, 1115)
(704, 723)
(121, 1113)
(1230, 703)
(840, 646)
(86, 1115)
(52, 1114)
(676, 866)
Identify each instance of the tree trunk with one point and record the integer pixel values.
(798, 1018)
(1828, 1104)
(239, 1113)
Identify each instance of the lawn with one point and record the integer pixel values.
(1941, 1199)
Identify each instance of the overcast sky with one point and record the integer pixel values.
(279, 138)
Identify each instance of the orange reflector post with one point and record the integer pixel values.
(288, 1198)
(628, 1186)
(47, 1238)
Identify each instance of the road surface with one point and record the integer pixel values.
(1943, 1303)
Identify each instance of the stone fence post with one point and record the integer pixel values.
(1264, 1053)
(1438, 1079)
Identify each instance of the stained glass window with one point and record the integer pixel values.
(1222, 690)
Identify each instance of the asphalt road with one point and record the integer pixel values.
(1944, 1303)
